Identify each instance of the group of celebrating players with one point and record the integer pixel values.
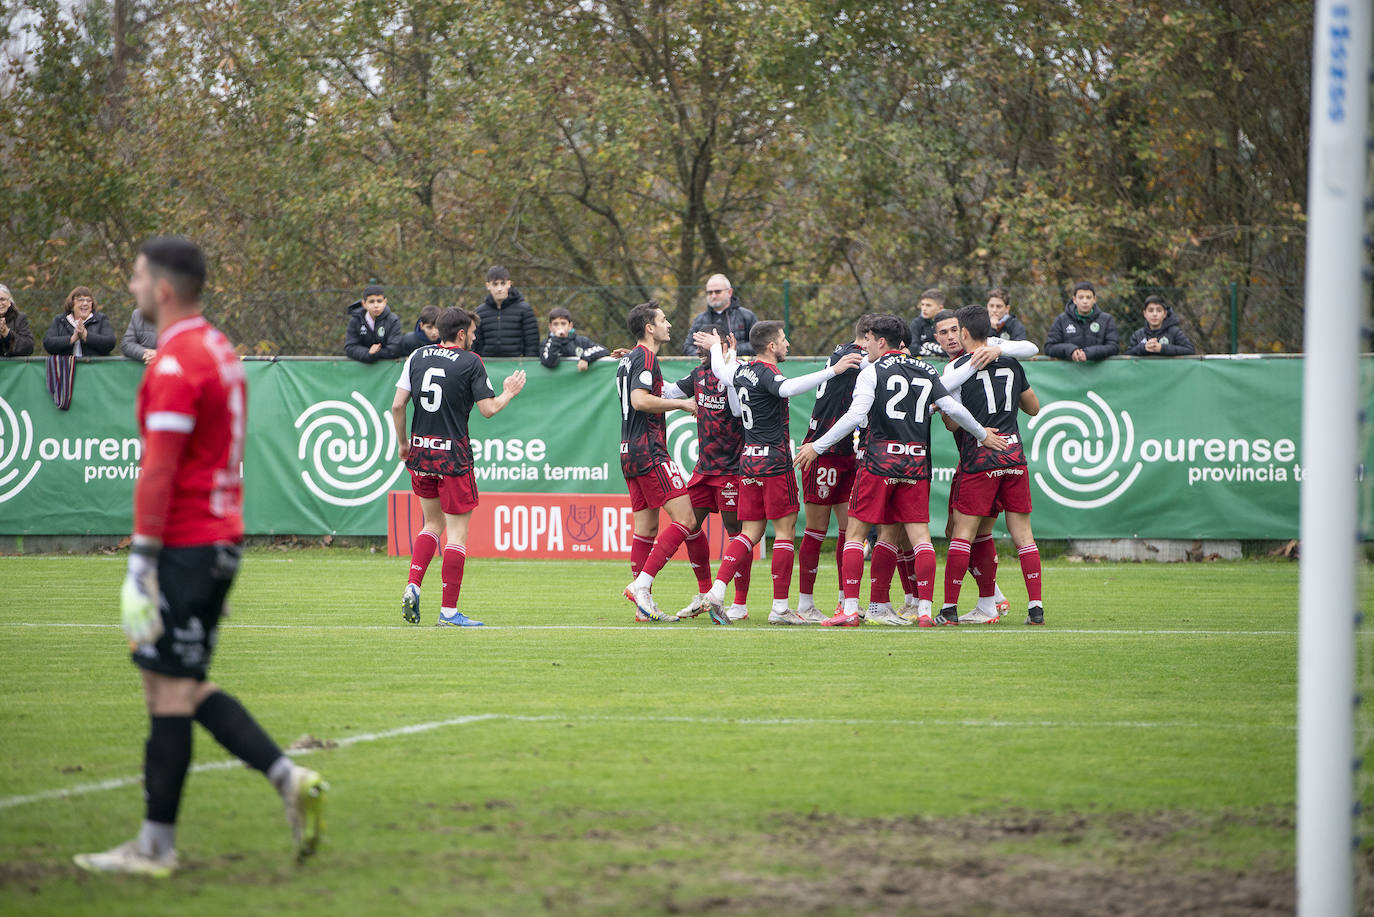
(745, 469)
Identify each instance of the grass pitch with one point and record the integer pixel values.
(1135, 755)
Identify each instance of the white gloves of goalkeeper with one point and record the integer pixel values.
(139, 598)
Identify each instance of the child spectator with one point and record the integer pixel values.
(426, 331)
(1004, 325)
(563, 341)
(1162, 335)
(923, 326)
(506, 326)
(140, 339)
(1082, 332)
(81, 330)
(16, 340)
(374, 331)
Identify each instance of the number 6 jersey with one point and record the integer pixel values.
(444, 384)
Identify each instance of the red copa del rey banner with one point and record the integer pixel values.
(534, 525)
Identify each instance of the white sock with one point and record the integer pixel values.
(717, 591)
(448, 612)
(997, 593)
(780, 605)
(923, 607)
(851, 606)
(908, 598)
(156, 839)
(987, 603)
(805, 601)
(642, 581)
(279, 772)
(738, 609)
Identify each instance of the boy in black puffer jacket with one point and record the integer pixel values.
(563, 342)
(506, 326)
(1162, 335)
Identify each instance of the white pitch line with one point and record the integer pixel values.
(643, 628)
(82, 789)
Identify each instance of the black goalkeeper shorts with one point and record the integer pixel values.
(194, 582)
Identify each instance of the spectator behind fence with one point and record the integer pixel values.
(1082, 332)
(506, 326)
(16, 340)
(1162, 335)
(426, 331)
(1004, 325)
(82, 330)
(140, 339)
(563, 341)
(374, 331)
(724, 315)
(922, 328)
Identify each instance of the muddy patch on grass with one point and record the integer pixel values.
(1009, 864)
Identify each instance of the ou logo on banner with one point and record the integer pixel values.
(682, 441)
(349, 451)
(1087, 449)
(16, 445)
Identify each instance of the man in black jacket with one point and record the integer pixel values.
(563, 341)
(16, 340)
(724, 315)
(922, 329)
(506, 326)
(374, 331)
(1082, 331)
(1161, 335)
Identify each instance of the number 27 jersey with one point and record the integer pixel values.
(904, 391)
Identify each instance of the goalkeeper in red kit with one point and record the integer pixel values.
(187, 542)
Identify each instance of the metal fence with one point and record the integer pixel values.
(1227, 318)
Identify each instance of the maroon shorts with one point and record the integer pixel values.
(652, 490)
(767, 498)
(954, 494)
(987, 493)
(889, 501)
(718, 493)
(829, 481)
(457, 493)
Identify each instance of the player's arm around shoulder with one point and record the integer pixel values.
(646, 402)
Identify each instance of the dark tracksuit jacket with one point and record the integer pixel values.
(1172, 341)
(574, 346)
(359, 338)
(733, 319)
(1094, 332)
(1011, 329)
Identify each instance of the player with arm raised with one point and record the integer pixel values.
(827, 484)
(446, 381)
(714, 486)
(992, 482)
(992, 604)
(768, 486)
(895, 394)
(187, 543)
(654, 480)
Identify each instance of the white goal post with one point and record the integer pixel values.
(1328, 598)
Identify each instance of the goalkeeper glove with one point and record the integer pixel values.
(139, 598)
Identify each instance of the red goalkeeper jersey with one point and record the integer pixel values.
(192, 409)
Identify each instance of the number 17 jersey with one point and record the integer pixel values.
(993, 397)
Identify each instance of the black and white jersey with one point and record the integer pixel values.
(832, 401)
(904, 389)
(444, 383)
(993, 396)
(643, 437)
(720, 435)
(763, 411)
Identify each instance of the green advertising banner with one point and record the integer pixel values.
(1125, 448)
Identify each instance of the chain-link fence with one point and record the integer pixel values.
(1226, 318)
